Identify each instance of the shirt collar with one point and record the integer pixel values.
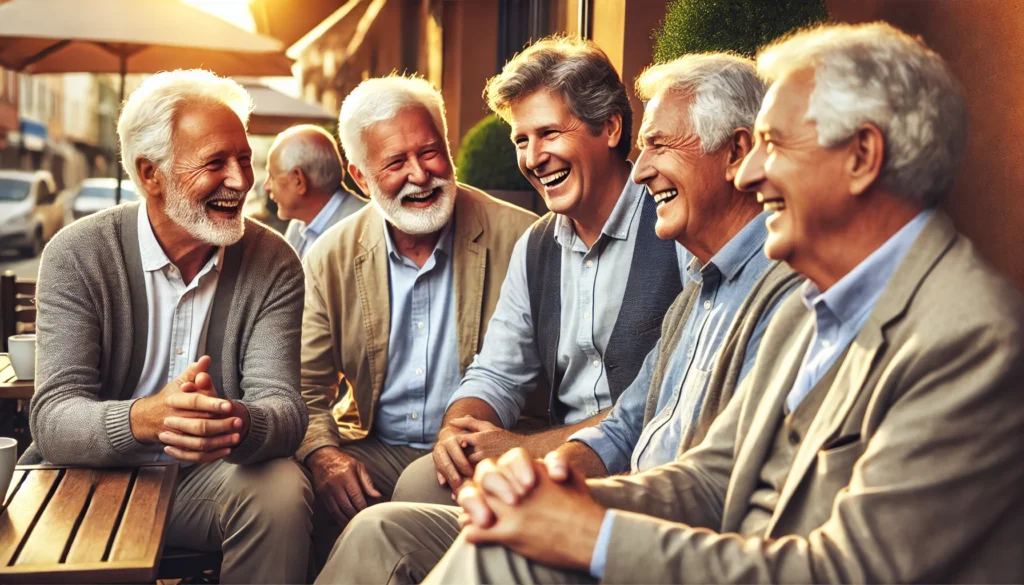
(618, 223)
(858, 291)
(319, 223)
(444, 242)
(749, 241)
(153, 256)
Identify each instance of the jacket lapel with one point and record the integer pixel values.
(375, 299)
(469, 268)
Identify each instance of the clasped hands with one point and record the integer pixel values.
(542, 510)
(463, 443)
(189, 419)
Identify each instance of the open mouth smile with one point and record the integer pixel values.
(554, 179)
(663, 197)
(423, 198)
(225, 206)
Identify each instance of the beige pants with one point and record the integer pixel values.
(418, 484)
(402, 543)
(385, 463)
(259, 516)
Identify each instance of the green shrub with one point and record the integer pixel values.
(487, 158)
(742, 26)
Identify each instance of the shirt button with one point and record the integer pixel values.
(597, 363)
(590, 263)
(420, 324)
(825, 343)
(707, 304)
(586, 315)
(415, 416)
(179, 352)
(419, 371)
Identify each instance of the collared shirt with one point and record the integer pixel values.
(309, 233)
(840, 313)
(621, 440)
(179, 313)
(423, 353)
(593, 283)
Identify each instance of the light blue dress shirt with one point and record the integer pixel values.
(621, 440)
(312, 231)
(593, 283)
(423, 354)
(840, 313)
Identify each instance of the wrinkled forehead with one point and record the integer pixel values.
(540, 109)
(784, 107)
(411, 128)
(668, 113)
(204, 129)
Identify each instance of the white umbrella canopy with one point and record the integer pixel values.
(274, 112)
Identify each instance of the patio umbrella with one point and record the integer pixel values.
(129, 36)
(274, 112)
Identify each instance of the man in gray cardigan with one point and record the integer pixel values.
(169, 330)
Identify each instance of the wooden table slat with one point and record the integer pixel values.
(23, 510)
(10, 386)
(100, 519)
(15, 480)
(50, 536)
(135, 535)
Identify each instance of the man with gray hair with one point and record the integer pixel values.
(169, 330)
(877, 438)
(398, 298)
(304, 178)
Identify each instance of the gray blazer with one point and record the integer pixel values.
(911, 471)
(350, 205)
(91, 342)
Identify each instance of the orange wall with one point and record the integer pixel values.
(983, 40)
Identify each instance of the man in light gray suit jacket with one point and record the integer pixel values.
(169, 330)
(304, 178)
(878, 436)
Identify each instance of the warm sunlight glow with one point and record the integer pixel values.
(234, 11)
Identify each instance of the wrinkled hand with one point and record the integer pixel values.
(484, 440)
(342, 482)
(449, 459)
(517, 503)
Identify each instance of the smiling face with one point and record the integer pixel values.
(558, 153)
(802, 182)
(409, 174)
(691, 188)
(210, 174)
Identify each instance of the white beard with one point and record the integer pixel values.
(416, 221)
(192, 216)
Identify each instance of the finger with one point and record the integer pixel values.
(458, 457)
(469, 423)
(204, 427)
(193, 369)
(188, 387)
(327, 496)
(472, 503)
(475, 456)
(445, 468)
(367, 482)
(204, 383)
(200, 444)
(464, 520)
(440, 477)
(350, 482)
(195, 456)
(519, 465)
(199, 402)
(557, 466)
(348, 512)
(491, 480)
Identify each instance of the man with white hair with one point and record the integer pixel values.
(877, 438)
(304, 178)
(169, 329)
(398, 298)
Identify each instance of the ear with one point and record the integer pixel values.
(151, 178)
(867, 155)
(614, 129)
(739, 147)
(301, 182)
(359, 178)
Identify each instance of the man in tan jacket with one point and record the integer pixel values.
(398, 298)
(878, 436)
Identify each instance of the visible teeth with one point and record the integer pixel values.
(224, 204)
(664, 196)
(774, 205)
(419, 196)
(553, 177)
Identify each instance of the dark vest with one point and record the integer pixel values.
(654, 282)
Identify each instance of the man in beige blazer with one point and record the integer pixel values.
(878, 437)
(398, 298)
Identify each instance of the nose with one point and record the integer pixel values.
(643, 172)
(751, 173)
(418, 174)
(266, 185)
(535, 155)
(237, 179)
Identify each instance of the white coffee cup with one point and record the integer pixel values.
(22, 350)
(8, 458)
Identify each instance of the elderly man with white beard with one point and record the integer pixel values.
(169, 329)
(398, 298)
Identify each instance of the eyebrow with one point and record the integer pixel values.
(649, 138)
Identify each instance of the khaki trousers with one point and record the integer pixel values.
(418, 484)
(402, 543)
(259, 516)
(385, 463)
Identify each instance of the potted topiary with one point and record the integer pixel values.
(741, 26)
(487, 160)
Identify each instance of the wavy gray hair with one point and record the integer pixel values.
(319, 160)
(875, 73)
(726, 93)
(146, 125)
(379, 99)
(575, 69)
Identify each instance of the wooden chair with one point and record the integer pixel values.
(17, 307)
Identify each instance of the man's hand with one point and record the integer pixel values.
(554, 521)
(341, 481)
(484, 440)
(449, 459)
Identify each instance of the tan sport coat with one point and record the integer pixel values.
(346, 322)
(912, 470)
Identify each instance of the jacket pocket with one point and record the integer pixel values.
(839, 456)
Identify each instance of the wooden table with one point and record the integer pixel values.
(76, 525)
(10, 386)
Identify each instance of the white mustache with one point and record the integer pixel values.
(411, 189)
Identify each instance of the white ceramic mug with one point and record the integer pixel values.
(8, 458)
(22, 351)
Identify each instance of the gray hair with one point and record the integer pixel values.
(379, 99)
(319, 160)
(726, 93)
(147, 120)
(875, 73)
(577, 70)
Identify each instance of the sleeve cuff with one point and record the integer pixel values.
(254, 440)
(604, 536)
(119, 428)
(613, 458)
(508, 419)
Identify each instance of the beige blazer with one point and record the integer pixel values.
(912, 469)
(346, 322)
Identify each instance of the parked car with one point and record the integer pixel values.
(97, 194)
(30, 212)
